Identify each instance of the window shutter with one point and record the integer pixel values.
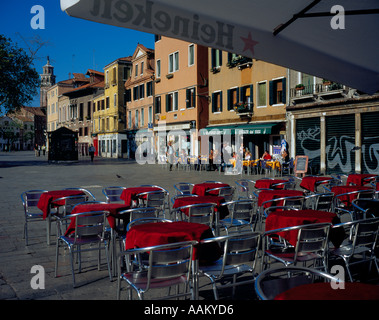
(194, 97)
(251, 96)
(221, 101)
(284, 92)
(229, 101)
(167, 100)
(188, 98)
(213, 103)
(271, 93)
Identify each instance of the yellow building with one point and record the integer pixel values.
(248, 95)
(109, 117)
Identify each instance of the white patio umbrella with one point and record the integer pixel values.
(321, 38)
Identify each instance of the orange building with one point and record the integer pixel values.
(181, 93)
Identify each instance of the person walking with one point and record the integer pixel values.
(91, 151)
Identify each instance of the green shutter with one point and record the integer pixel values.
(284, 92)
(271, 91)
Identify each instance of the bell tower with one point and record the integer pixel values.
(47, 81)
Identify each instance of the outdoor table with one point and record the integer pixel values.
(269, 183)
(310, 183)
(201, 188)
(325, 291)
(185, 201)
(266, 195)
(129, 195)
(356, 179)
(291, 218)
(46, 198)
(348, 198)
(112, 208)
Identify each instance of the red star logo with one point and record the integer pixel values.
(249, 43)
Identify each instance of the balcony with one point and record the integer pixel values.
(240, 61)
(244, 109)
(318, 91)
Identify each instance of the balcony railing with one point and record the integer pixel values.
(315, 89)
(242, 108)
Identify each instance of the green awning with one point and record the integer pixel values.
(260, 128)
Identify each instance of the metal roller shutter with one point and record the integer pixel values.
(370, 142)
(340, 141)
(308, 141)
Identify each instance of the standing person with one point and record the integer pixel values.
(91, 151)
(170, 154)
(44, 150)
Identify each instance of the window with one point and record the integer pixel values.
(128, 95)
(136, 71)
(172, 101)
(216, 58)
(126, 73)
(142, 117)
(136, 119)
(135, 93)
(107, 102)
(142, 91)
(261, 94)
(158, 71)
(107, 78)
(107, 124)
(89, 103)
(191, 98)
(114, 76)
(130, 119)
(142, 67)
(149, 89)
(158, 104)
(277, 91)
(150, 115)
(115, 100)
(173, 62)
(217, 101)
(233, 98)
(246, 95)
(191, 55)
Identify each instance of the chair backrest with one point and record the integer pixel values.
(140, 213)
(269, 210)
(272, 282)
(166, 262)
(226, 192)
(70, 202)
(30, 200)
(243, 188)
(90, 224)
(238, 248)
(366, 208)
(365, 234)
(295, 202)
(113, 193)
(201, 213)
(183, 188)
(242, 209)
(321, 201)
(312, 238)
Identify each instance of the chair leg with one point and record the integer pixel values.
(72, 266)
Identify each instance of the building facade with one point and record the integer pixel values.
(109, 118)
(248, 97)
(334, 125)
(181, 94)
(139, 96)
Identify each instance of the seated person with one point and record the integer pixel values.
(266, 156)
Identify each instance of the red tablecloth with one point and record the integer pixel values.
(290, 218)
(266, 195)
(185, 201)
(309, 183)
(130, 194)
(359, 179)
(112, 208)
(153, 234)
(324, 291)
(268, 183)
(347, 199)
(47, 197)
(201, 188)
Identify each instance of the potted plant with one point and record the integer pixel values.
(326, 82)
(300, 86)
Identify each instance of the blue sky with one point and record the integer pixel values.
(74, 45)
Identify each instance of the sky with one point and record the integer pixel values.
(73, 45)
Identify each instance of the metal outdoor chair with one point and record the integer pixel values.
(156, 199)
(31, 212)
(320, 201)
(270, 283)
(361, 245)
(183, 188)
(365, 208)
(240, 252)
(168, 265)
(89, 230)
(340, 207)
(244, 189)
(226, 192)
(203, 213)
(311, 245)
(113, 193)
(242, 214)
